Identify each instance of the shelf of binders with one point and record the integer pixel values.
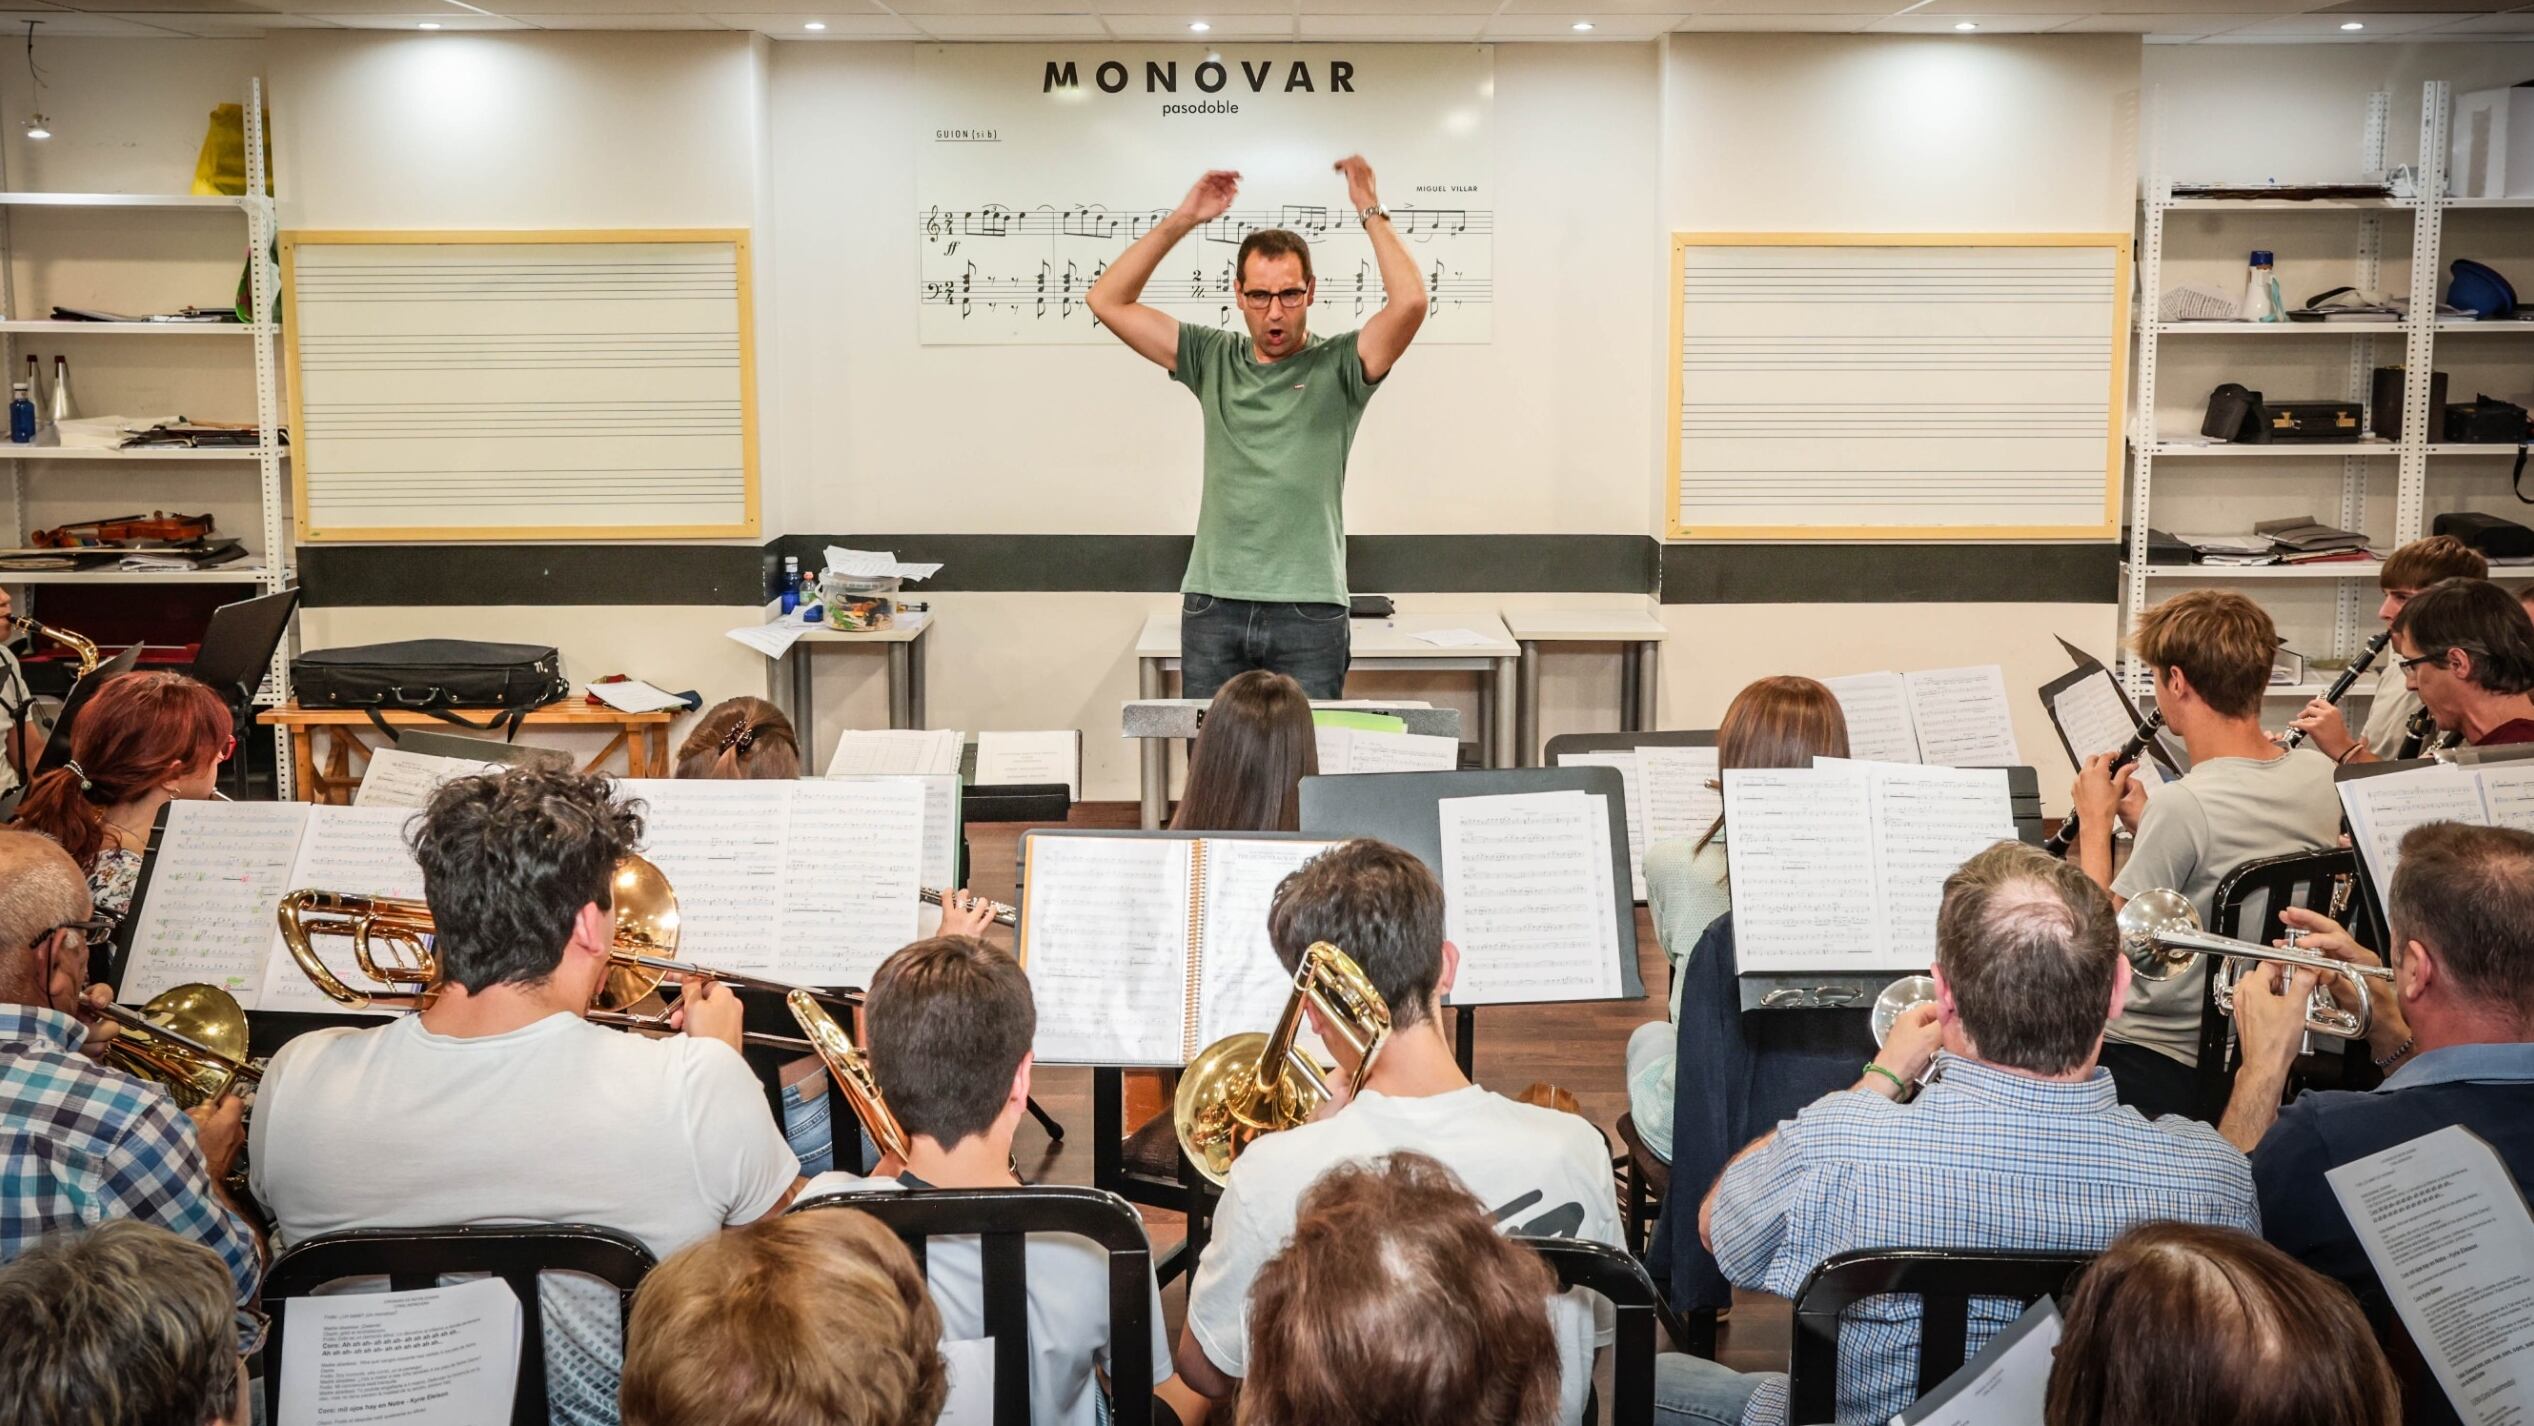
(2276, 329)
(2334, 569)
(149, 453)
(136, 329)
(217, 574)
(2218, 450)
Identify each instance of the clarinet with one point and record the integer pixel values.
(2348, 676)
(2065, 837)
(2420, 738)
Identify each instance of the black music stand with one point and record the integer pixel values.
(1565, 743)
(237, 649)
(1405, 810)
(2051, 690)
(57, 747)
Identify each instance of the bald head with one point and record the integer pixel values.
(2028, 947)
(40, 888)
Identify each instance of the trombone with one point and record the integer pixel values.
(2160, 933)
(851, 1072)
(1249, 1084)
(191, 1039)
(641, 958)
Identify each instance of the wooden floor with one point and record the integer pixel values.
(1580, 1047)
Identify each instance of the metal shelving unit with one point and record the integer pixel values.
(272, 571)
(2149, 449)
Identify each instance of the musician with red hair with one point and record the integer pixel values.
(145, 740)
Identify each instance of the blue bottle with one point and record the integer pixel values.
(790, 594)
(21, 414)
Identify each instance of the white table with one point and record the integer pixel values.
(903, 642)
(1375, 646)
(1633, 626)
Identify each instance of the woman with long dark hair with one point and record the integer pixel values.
(146, 739)
(1776, 722)
(1253, 751)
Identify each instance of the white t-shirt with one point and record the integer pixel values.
(2227, 812)
(1068, 1309)
(1543, 1173)
(2390, 710)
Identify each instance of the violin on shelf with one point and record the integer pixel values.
(158, 525)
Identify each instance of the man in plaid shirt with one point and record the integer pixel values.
(2016, 1142)
(81, 1143)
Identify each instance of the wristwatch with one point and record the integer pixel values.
(1372, 212)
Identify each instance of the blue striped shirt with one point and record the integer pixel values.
(81, 1143)
(1984, 1158)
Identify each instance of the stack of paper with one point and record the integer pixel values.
(876, 564)
(1025, 759)
(919, 751)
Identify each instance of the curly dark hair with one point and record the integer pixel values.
(509, 860)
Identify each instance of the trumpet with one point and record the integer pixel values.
(1003, 915)
(1898, 999)
(2160, 933)
(191, 1039)
(81, 646)
(1249, 1084)
(642, 956)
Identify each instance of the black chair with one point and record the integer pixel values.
(1001, 1219)
(1943, 1280)
(1600, 1268)
(2249, 901)
(415, 1258)
(1645, 1178)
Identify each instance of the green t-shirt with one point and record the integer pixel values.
(1270, 527)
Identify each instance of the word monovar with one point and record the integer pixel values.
(1210, 77)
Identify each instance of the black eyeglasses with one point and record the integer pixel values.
(2406, 665)
(1259, 301)
(96, 930)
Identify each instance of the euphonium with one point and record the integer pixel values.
(1249, 1084)
(80, 645)
(642, 956)
(2160, 933)
(191, 1039)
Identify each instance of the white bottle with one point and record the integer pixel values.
(2261, 291)
(62, 409)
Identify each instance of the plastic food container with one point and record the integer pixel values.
(858, 605)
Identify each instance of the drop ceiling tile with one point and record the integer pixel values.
(1186, 10)
(1013, 27)
(839, 27)
(1764, 24)
(191, 7)
(435, 9)
(1921, 22)
(225, 26)
(71, 24)
(1798, 9)
(590, 9)
(449, 21)
(2066, 10)
(1561, 27)
(671, 21)
(2363, 8)
(1595, 9)
(1228, 30)
(1391, 27)
(948, 7)
(2320, 27)
(2171, 27)
(2520, 22)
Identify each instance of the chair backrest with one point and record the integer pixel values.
(1944, 1280)
(2248, 904)
(415, 1258)
(1601, 1268)
(1001, 1219)
(238, 643)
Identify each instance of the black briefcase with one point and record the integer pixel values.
(432, 676)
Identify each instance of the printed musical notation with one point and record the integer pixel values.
(994, 274)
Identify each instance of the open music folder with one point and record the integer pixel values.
(1671, 793)
(810, 881)
(1841, 866)
(1144, 948)
(2383, 807)
(1363, 750)
(1944, 717)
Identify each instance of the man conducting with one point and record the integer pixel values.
(1266, 583)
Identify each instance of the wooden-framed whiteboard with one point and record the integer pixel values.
(495, 385)
(1905, 386)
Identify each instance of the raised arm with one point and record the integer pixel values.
(1386, 333)
(1149, 330)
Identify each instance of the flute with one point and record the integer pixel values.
(2348, 676)
(1003, 915)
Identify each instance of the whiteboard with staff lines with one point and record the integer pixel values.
(521, 385)
(1903, 387)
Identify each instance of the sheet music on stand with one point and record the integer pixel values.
(2092, 716)
(923, 752)
(1798, 901)
(1142, 948)
(396, 778)
(1944, 717)
(1669, 790)
(2387, 801)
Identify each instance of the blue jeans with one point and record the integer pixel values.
(1693, 1391)
(1221, 638)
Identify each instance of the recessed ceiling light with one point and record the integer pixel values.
(1582, 25)
(815, 25)
(430, 25)
(2353, 25)
(38, 127)
(1966, 25)
(1198, 27)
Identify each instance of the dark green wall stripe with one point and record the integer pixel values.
(346, 576)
